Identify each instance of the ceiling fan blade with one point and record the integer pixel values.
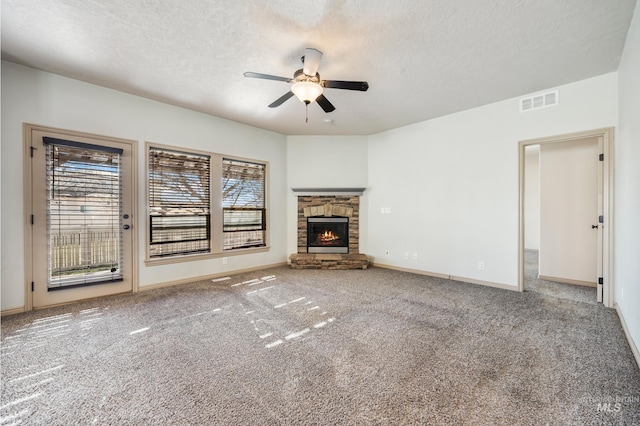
(325, 104)
(281, 99)
(349, 85)
(266, 76)
(311, 61)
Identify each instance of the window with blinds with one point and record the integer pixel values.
(84, 189)
(243, 204)
(179, 203)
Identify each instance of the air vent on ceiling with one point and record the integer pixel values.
(538, 101)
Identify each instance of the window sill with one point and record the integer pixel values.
(196, 257)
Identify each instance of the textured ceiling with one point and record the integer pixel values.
(422, 59)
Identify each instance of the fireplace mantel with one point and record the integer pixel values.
(328, 191)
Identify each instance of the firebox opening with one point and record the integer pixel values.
(327, 235)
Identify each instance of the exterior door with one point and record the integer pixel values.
(570, 205)
(82, 242)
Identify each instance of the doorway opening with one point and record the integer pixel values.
(535, 283)
(571, 244)
(80, 202)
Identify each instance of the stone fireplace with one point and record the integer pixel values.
(328, 229)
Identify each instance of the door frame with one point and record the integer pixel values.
(607, 135)
(27, 135)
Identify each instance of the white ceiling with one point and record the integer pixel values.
(422, 59)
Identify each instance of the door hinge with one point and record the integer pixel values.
(32, 220)
(600, 280)
(601, 157)
(601, 219)
(31, 285)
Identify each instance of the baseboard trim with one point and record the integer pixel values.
(447, 277)
(567, 281)
(13, 311)
(209, 277)
(484, 283)
(632, 343)
(411, 271)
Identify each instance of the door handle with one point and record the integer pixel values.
(125, 227)
(594, 226)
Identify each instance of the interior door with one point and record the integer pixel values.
(570, 205)
(82, 240)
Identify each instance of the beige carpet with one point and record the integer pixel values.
(282, 347)
(577, 293)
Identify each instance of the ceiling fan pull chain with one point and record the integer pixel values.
(306, 111)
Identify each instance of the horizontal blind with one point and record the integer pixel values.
(84, 208)
(243, 203)
(179, 203)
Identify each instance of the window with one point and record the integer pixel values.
(84, 189)
(179, 203)
(203, 204)
(243, 203)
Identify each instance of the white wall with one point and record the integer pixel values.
(532, 197)
(324, 162)
(626, 265)
(452, 182)
(47, 99)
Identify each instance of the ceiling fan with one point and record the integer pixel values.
(307, 85)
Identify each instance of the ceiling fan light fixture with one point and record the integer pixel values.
(306, 91)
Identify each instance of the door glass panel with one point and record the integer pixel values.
(84, 207)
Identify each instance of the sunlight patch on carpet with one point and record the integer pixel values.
(273, 344)
(289, 303)
(296, 334)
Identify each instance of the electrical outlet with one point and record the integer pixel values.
(415, 256)
(386, 252)
(481, 265)
(225, 260)
(406, 255)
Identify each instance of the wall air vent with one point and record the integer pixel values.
(538, 101)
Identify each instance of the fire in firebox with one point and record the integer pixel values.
(328, 236)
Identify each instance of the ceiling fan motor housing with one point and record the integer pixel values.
(301, 76)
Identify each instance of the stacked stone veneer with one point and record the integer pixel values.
(327, 206)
